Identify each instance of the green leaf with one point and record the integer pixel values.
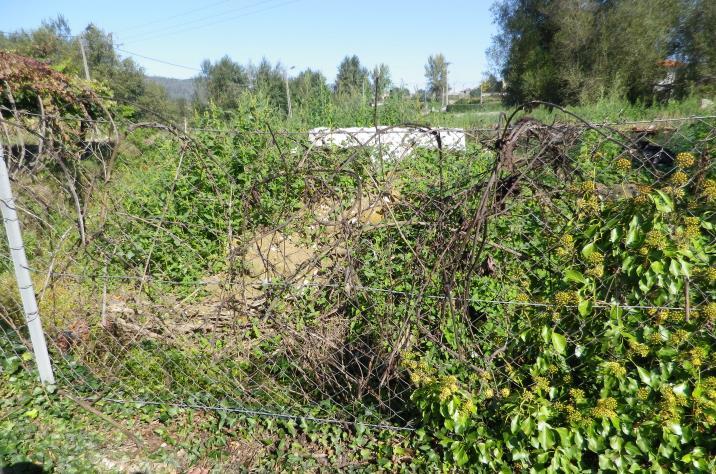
(674, 268)
(527, 426)
(520, 455)
(514, 424)
(657, 267)
(588, 249)
(614, 235)
(585, 307)
(628, 264)
(459, 453)
(675, 428)
(663, 202)
(545, 436)
(644, 375)
(559, 342)
(633, 233)
(565, 437)
(546, 331)
(574, 275)
(685, 268)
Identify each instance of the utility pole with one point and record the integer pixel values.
(447, 88)
(81, 41)
(22, 275)
(288, 91)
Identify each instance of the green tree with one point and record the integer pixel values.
(436, 75)
(269, 81)
(521, 51)
(568, 52)
(224, 81)
(380, 80)
(54, 43)
(490, 84)
(351, 77)
(311, 96)
(695, 42)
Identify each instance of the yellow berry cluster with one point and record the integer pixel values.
(654, 338)
(469, 406)
(574, 416)
(685, 159)
(595, 258)
(656, 239)
(642, 393)
(709, 189)
(623, 164)
(709, 389)
(642, 194)
(567, 246)
(448, 386)
(693, 227)
(606, 408)
(639, 349)
(678, 337)
(709, 274)
(540, 383)
(522, 297)
(697, 356)
(615, 369)
(710, 311)
(588, 206)
(676, 316)
(588, 186)
(670, 403)
(420, 372)
(663, 316)
(577, 394)
(679, 178)
(563, 298)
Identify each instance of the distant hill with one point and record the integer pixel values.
(176, 88)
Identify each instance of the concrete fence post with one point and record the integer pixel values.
(22, 275)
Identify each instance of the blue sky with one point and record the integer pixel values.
(301, 33)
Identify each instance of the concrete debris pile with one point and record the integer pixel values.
(392, 143)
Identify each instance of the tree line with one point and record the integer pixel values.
(121, 78)
(222, 82)
(568, 51)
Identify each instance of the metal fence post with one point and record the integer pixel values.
(22, 275)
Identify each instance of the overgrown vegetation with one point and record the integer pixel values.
(544, 300)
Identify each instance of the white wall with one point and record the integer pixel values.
(393, 143)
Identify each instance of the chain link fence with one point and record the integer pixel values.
(327, 277)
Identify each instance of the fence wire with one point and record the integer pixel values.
(310, 274)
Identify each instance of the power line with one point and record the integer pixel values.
(139, 36)
(184, 30)
(152, 23)
(157, 60)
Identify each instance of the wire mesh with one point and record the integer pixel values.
(304, 276)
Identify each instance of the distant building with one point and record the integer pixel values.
(667, 83)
